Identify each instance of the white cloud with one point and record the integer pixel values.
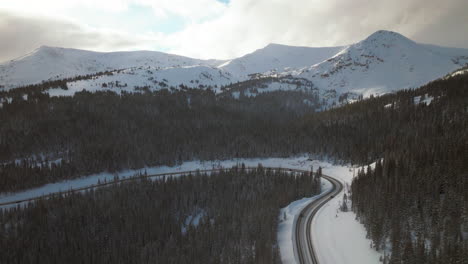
(216, 30)
(192, 10)
(58, 7)
(251, 24)
(21, 34)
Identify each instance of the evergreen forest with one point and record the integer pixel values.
(414, 202)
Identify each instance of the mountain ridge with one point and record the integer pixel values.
(383, 62)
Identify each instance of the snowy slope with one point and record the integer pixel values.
(384, 62)
(47, 63)
(277, 58)
(142, 78)
(50, 63)
(136, 68)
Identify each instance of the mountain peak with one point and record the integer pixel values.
(48, 51)
(274, 47)
(386, 37)
(385, 33)
(47, 48)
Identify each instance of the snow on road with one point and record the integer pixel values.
(338, 237)
(287, 225)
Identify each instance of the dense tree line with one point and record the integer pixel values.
(93, 132)
(415, 201)
(416, 206)
(146, 221)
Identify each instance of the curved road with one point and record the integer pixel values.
(305, 252)
(304, 248)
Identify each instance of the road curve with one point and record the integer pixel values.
(305, 252)
(304, 248)
(152, 176)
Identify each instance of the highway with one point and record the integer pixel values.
(304, 249)
(133, 178)
(99, 185)
(305, 252)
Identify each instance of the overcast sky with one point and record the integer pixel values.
(221, 29)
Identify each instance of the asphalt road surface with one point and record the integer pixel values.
(304, 249)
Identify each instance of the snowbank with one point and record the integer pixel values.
(337, 236)
(288, 216)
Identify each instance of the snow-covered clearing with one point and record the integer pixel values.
(338, 238)
(193, 220)
(423, 99)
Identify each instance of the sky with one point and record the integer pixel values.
(221, 29)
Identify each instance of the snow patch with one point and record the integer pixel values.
(423, 99)
(193, 220)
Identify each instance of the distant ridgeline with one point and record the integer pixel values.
(226, 217)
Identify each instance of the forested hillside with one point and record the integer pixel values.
(94, 132)
(416, 200)
(45, 139)
(226, 217)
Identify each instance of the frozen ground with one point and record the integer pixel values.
(338, 237)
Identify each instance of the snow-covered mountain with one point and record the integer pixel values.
(277, 58)
(150, 78)
(52, 63)
(383, 62)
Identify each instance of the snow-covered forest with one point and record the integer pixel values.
(225, 217)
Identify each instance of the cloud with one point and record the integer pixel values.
(21, 34)
(193, 10)
(251, 24)
(212, 29)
